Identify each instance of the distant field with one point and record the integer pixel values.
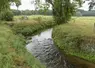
(33, 17)
(90, 19)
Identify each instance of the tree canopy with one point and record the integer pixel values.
(5, 12)
(62, 9)
(5, 4)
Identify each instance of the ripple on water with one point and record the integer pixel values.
(42, 47)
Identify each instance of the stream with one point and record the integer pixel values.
(43, 48)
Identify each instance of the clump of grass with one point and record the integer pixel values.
(76, 38)
(13, 53)
(30, 27)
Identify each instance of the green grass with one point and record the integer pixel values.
(77, 38)
(13, 53)
(33, 17)
(33, 25)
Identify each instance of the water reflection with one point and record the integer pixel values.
(42, 47)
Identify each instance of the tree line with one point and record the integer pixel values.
(62, 9)
(31, 12)
(81, 12)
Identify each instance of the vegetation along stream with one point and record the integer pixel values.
(43, 48)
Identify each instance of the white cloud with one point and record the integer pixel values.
(85, 6)
(26, 4)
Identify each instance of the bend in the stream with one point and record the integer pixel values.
(43, 48)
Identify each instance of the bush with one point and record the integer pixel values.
(6, 15)
(28, 28)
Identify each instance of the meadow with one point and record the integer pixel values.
(33, 25)
(13, 53)
(13, 34)
(77, 38)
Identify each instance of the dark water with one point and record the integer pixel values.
(42, 47)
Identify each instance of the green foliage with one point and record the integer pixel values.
(16, 12)
(18, 3)
(31, 12)
(5, 4)
(28, 28)
(63, 10)
(12, 47)
(6, 15)
(77, 38)
(13, 53)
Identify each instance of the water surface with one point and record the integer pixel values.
(42, 47)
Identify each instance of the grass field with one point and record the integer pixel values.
(13, 53)
(77, 38)
(33, 17)
(33, 25)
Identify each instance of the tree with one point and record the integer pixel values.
(6, 15)
(62, 9)
(5, 4)
(5, 12)
(18, 3)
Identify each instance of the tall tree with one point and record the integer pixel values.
(5, 12)
(5, 4)
(18, 3)
(64, 9)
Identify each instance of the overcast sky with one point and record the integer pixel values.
(26, 4)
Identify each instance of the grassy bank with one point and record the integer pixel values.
(77, 38)
(33, 25)
(13, 53)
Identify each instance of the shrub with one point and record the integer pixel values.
(28, 28)
(6, 15)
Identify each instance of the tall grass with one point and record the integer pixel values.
(13, 53)
(77, 38)
(34, 25)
